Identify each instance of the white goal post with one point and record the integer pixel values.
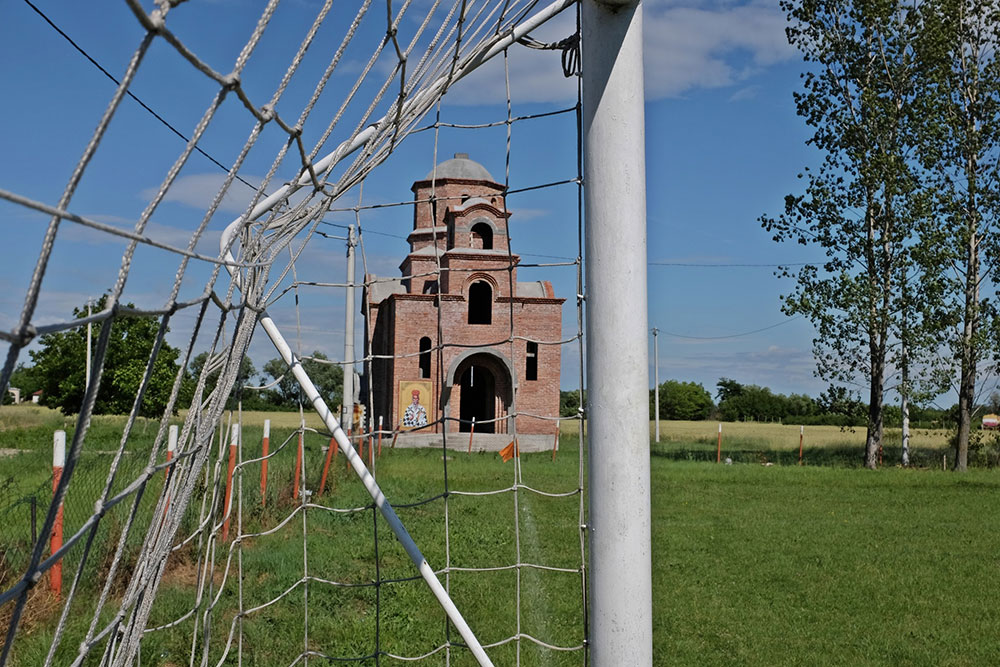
(621, 629)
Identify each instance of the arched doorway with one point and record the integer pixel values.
(478, 399)
(483, 383)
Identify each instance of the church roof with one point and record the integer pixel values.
(381, 288)
(460, 166)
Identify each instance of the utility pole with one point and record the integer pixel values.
(347, 412)
(656, 382)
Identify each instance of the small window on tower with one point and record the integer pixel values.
(481, 236)
(531, 365)
(425, 357)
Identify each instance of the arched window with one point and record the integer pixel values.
(425, 357)
(480, 303)
(481, 236)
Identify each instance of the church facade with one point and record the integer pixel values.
(499, 336)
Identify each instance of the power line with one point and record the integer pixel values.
(739, 335)
(129, 93)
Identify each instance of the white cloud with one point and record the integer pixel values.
(525, 214)
(696, 47)
(687, 46)
(198, 191)
(208, 242)
(746, 93)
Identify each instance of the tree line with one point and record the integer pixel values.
(903, 101)
(58, 370)
(734, 401)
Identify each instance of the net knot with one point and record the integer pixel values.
(25, 334)
(267, 113)
(231, 81)
(157, 21)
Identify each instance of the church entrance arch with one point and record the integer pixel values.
(485, 392)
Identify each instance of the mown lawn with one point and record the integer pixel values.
(754, 565)
(776, 565)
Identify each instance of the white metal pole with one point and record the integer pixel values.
(617, 348)
(347, 413)
(656, 381)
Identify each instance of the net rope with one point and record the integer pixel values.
(192, 508)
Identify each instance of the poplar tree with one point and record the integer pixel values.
(861, 204)
(959, 147)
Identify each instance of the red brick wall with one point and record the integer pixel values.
(539, 320)
(397, 325)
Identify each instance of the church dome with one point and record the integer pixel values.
(460, 166)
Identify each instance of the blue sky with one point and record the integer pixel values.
(723, 146)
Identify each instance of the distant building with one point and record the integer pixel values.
(15, 394)
(464, 227)
(36, 397)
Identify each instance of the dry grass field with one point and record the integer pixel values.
(786, 436)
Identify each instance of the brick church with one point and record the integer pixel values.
(475, 295)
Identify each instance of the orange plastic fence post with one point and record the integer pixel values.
(55, 544)
(718, 450)
(326, 466)
(472, 432)
(298, 467)
(266, 446)
(233, 439)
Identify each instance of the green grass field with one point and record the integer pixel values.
(823, 564)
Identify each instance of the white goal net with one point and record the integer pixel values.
(432, 509)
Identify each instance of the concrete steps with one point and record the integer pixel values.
(481, 442)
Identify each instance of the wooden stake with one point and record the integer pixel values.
(171, 446)
(233, 439)
(298, 467)
(347, 461)
(801, 433)
(472, 431)
(718, 450)
(326, 466)
(380, 437)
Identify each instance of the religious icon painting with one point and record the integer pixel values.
(414, 400)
